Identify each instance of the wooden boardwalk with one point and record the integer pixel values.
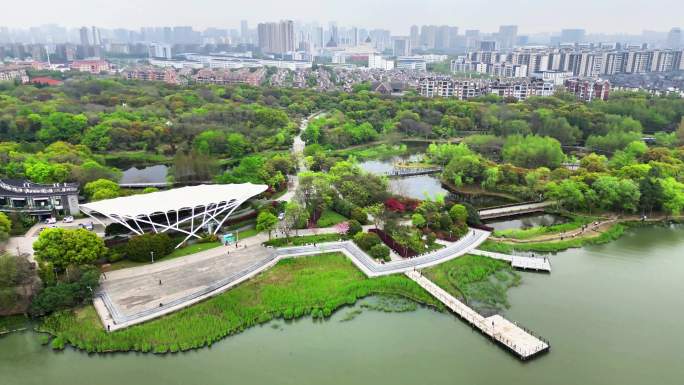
(406, 172)
(514, 209)
(517, 261)
(508, 334)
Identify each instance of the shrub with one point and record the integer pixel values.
(140, 247)
(458, 213)
(445, 221)
(367, 240)
(354, 228)
(359, 215)
(343, 207)
(64, 295)
(393, 204)
(380, 251)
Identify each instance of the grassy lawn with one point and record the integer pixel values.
(576, 223)
(294, 288)
(330, 218)
(479, 281)
(613, 233)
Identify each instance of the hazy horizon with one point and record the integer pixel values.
(532, 16)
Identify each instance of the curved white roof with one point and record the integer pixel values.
(175, 199)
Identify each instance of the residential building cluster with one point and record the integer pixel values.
(519, 89)
(448, 87)
(13, 73)
(151, 73)
(253, 77)
(591, 62)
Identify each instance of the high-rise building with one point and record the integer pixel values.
(244, 31)
(488, 45)
(428, 36)
(276, 37)
(401, 46)
(97, 39)
(674, 38)
(572, 36)
(472, 39)
(507, 36)
(83, 32)
(4, 35)
(442, 37)
(415, 36)
(354, 36)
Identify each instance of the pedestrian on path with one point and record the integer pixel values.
(160, 282)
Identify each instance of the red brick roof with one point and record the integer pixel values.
(46, 81)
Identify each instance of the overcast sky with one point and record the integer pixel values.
(631, 16)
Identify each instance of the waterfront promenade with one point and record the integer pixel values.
(131, 296)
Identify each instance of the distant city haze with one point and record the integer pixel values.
(532, 16)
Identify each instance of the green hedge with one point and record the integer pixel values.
(140, 247)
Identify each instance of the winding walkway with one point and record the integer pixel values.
(131, 296)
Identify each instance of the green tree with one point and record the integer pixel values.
(617, 194)
(377, 214)
(673, 196)
(458, 213)
(62, 247)
(680, 132)
(266, 221)
(5, 227)
(568, 193)
(102, 189)
(533, 151)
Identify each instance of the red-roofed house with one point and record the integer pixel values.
(46, 81)
(92, 66)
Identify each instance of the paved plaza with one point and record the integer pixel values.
(137, 291)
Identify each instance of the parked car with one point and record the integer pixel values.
(68, 219)
(281, 216)
(89, 226)
(51, 221)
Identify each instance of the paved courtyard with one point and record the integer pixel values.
(138, 290)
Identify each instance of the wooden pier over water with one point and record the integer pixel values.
(399, 172)
(516, 339)
(517, 261)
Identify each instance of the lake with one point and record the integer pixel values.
(149, 174)
(612, 314)
(527, 221)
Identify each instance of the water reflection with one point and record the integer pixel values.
(151, 174)
(528, 221)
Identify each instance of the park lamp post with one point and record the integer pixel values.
(152, 255)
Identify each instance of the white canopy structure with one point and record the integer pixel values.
(208, 205)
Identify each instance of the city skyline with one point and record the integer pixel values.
(533, 17)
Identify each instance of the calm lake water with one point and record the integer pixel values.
(417, 187)
(150, 174)
(612, 314)
(527, 221)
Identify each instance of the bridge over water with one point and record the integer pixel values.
(514, 209)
